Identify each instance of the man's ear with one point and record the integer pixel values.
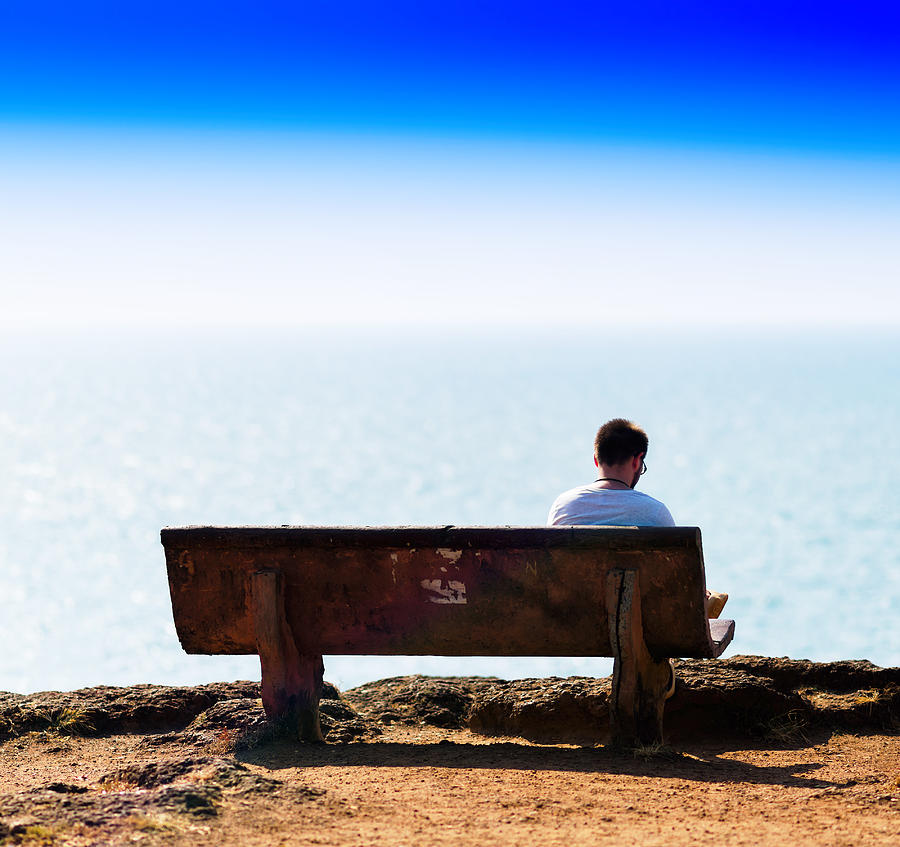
(596, 462)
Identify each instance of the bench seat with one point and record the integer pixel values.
(294, 594)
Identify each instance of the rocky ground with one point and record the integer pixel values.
(758, 751)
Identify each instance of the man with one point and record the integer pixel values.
(619, 452)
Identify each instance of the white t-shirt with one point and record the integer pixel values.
(590, 505)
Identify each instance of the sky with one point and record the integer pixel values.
(431, 162)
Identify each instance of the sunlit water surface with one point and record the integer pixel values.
(783, 449)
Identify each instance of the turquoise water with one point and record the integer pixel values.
(782, 447)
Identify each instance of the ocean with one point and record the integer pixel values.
(781, 445)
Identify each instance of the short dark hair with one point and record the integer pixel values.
(618, 440)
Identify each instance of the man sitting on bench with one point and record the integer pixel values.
(620, 448)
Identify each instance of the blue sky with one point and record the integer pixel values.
(739, 158)
(809, 76)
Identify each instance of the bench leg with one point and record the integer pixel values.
(639, 681)
(291, 682)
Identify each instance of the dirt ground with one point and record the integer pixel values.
(425, 785)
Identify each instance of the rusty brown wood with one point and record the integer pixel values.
(291, 594)
(440, 590)
(291, 682)
(637, 695)
(722, 632)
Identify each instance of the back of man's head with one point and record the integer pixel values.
(618, 440)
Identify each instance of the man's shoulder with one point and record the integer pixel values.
(663, 517)
(590, 505)
(591, 490)
(564, 502)
(574, 495)
(577, 491)
(646, 497)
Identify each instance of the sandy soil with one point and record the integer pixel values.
(434, 786)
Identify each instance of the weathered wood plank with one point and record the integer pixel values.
(637, 695)
(291, 682)
(439, 591)
(721, 632)
(485, 537)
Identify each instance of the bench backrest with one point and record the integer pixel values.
(504, 591)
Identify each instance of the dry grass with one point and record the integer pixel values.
(64, 721)
(789, 728)
(224, 742)
(12, 723)
(872, 699)
(872, 695)
(71, 722)
(646, 752)
(115, 784)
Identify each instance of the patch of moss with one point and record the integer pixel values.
(31, 834)
(143, 823)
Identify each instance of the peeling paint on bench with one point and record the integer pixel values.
(455, 592)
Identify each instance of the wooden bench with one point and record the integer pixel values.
(292, 594)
